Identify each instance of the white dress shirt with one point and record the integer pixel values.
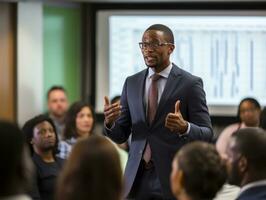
(160, 84)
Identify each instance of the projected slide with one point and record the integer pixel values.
(228, 53)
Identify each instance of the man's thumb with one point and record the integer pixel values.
(106, 101)
(177, 104)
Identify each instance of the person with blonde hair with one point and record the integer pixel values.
(92, 171)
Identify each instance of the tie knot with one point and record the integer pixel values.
(155, 77)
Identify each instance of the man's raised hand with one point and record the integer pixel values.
(111, 112)
(175, 122)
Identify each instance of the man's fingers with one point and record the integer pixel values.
(173, 121)
(172, 128)
(171, 124)
(112, 106)
(173, 116)
(177, 105)
(110, 110)
(106, 101)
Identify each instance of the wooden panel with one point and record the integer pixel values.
(7, 61)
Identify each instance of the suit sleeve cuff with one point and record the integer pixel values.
(109, 128)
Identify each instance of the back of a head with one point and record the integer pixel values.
(115, 99)
(166, 30)
(92, 172)
(263, 118)
(203, 169)
(13, 164)
(251, 143)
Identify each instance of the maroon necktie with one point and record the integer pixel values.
(152, 107)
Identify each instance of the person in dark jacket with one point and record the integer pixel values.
(42, 140)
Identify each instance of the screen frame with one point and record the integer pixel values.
(102, 40)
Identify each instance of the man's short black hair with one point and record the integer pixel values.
(251, 143)
(55, 87)
(115, 99)
(166, 30)
(203, 169)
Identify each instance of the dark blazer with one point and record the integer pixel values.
(254, 193)
(180, 85)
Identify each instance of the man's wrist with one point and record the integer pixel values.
(185, 129)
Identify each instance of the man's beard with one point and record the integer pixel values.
(60, 114)
(47, 147)
(234, 177)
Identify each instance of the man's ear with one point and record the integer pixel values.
(181, 177)
(171, 49)
(243, 164)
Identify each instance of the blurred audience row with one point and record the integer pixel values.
(59, 155)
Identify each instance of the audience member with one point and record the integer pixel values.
(92, 172)
(42, 140)
(246, 154)
(15, 168)
(198, 172)
(263, 119)
(57, 104)
(248, 115)
(80, 122)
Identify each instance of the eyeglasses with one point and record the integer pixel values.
(145, 45)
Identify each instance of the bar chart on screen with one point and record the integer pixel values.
(227, 52)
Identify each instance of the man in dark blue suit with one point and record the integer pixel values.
(247, 163)
(164, 107)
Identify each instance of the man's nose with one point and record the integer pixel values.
(49, 133)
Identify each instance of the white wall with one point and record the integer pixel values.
(30, 60)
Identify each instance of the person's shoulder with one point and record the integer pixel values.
(230, 129)
(36, 159)
(138, 75)
(253, 193)
(60, 161)
(233, 127)
(185, 74)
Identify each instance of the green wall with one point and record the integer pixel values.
(62, 49)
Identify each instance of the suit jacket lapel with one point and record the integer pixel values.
(172, 81)
(141, 99)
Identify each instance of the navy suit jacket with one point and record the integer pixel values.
(254, 193)
(180, 85)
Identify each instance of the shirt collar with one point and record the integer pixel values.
(251, 185)
(165, 73)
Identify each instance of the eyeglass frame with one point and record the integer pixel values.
(152, 45)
